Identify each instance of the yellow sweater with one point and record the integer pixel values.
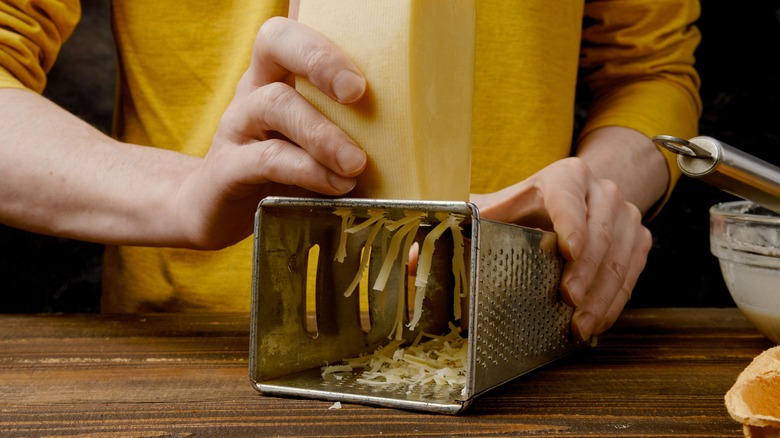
(179, 63)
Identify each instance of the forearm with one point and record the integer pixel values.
(63, 177)
(631, 160)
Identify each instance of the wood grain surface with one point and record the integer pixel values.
(657, 372)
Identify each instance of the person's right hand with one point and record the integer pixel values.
(600, 234)
(271, 140)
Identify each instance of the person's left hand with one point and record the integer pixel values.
(600, 235)
(271, 140)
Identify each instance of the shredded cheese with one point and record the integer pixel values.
(409, 225)
(425, 260)
(347, 219)
(441, 360)
(377, 217)
(405, 232)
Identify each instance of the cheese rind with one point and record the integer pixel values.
(414, 121)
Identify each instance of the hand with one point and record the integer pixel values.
(600, 235)
(271, 137)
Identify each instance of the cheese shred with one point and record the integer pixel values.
(377, 217)
(408, 227)
(440, 360)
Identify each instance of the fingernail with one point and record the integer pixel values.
(351, 159)
(576, 289)
(348, 87)
(573, 240)
(584, 324)
(340, 183)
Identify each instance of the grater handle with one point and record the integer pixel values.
(727, 168)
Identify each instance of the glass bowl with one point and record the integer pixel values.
(745, 238)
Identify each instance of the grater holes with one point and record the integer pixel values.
(524, 317)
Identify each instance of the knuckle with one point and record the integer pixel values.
(270, 29)
(627, 291)
(617, 270)
(604, 233)
(269, 100)
(315, 58)
(645, 239)
(319, 130)
(632, 212)
(589, 264)
(602, 302)
(576, 166)
(279, 164)
(269, 154)
(227, 124)
(274, 95)
(317, 134)
(611, 188)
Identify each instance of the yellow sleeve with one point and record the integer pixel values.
(637, 60)
(31, 35)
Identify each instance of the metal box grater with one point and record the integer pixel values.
(515, 317)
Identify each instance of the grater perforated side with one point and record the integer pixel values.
(521, 322)
(516, 319)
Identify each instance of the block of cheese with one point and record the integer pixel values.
(415, 120)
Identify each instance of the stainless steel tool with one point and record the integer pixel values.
(515, 320)
(726, 168)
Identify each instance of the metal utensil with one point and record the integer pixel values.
(516, 319)
(726, 168)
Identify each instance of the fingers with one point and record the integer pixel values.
(569, 204)
(279, 108)
(552, 199)
(283, 46)
(281, 162)
(599, 284)
(284, 138)
(598, 239)
(603, 304)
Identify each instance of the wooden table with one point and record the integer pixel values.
(656, 372)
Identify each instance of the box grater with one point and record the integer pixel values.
(515, 318)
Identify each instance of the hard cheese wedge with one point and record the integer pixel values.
(415, 119)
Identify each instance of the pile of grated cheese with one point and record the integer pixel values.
(441, 360)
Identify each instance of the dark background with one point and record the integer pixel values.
(738, 62)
